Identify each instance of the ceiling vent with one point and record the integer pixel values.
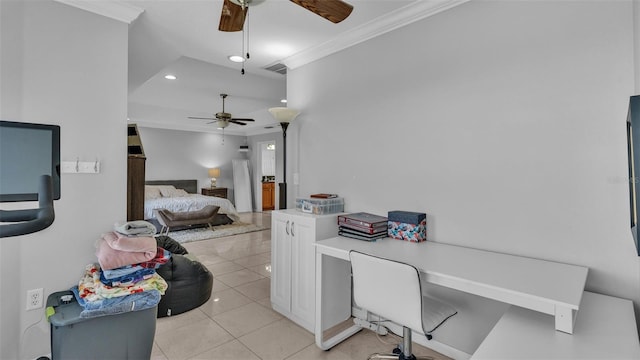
(279, 68)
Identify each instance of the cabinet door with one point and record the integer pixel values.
(281, 261)
(303, 270)
(271, 198)
(267, 196)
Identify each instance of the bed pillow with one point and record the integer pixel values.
(151, 192)
(181, 192)
(172, 192)
(165, 190)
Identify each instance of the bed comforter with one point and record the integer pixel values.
(191, 202)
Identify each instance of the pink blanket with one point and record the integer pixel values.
(121, 242)
(110, 258)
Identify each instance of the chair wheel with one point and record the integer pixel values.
(397, 350)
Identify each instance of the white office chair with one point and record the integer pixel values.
(373, 277)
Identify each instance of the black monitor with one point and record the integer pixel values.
(28, 151)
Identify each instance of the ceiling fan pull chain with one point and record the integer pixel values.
(242, 71)
(247, 26)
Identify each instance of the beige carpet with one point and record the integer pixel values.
(189, 235)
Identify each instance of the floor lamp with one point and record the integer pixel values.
(284, 116)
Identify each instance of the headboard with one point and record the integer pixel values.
(190, 186)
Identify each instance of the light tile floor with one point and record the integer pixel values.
(238, 322)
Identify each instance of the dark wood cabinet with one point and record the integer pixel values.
(135, 174)
(135, 188)
(217, 191)
(268, 196)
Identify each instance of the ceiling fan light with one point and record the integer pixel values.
(284, 114)
(247, 2)
(236, 58)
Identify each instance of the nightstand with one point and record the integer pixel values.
(217, 191)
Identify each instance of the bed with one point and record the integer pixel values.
(181, 195)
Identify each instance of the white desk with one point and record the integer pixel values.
(605, 329)
(543, 286)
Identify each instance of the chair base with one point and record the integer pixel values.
(398, 357)
(401, 351)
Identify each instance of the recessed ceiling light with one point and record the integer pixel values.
(284, 101)
(236, 58)
(170, 77)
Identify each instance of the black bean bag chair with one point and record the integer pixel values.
(190, 282)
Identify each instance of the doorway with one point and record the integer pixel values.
(267, 174)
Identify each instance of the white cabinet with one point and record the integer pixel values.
(293, 259)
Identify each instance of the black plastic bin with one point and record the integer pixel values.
(122, 336)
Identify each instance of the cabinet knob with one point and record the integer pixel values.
(287, 228)
(292, 234)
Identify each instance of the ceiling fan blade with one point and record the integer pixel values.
(232, 17)
(332, 10)
(238, 119)
(237, 122)
(201, 118)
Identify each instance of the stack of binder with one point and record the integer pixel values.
(362, 226)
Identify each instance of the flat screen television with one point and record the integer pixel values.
(28, 151)
(633, 148)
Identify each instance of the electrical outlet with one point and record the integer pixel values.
(35, 298)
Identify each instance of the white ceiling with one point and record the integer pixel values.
(181, 37)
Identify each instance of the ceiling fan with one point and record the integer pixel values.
(234, 12)
(223, 119)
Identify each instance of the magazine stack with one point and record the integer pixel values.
(362, 226)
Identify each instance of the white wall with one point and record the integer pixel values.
(179, 155)
(50, 56)
(504, 121)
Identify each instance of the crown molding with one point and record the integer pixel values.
(404, 16)
(113, 9)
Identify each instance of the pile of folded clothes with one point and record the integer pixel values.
(125, 277)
